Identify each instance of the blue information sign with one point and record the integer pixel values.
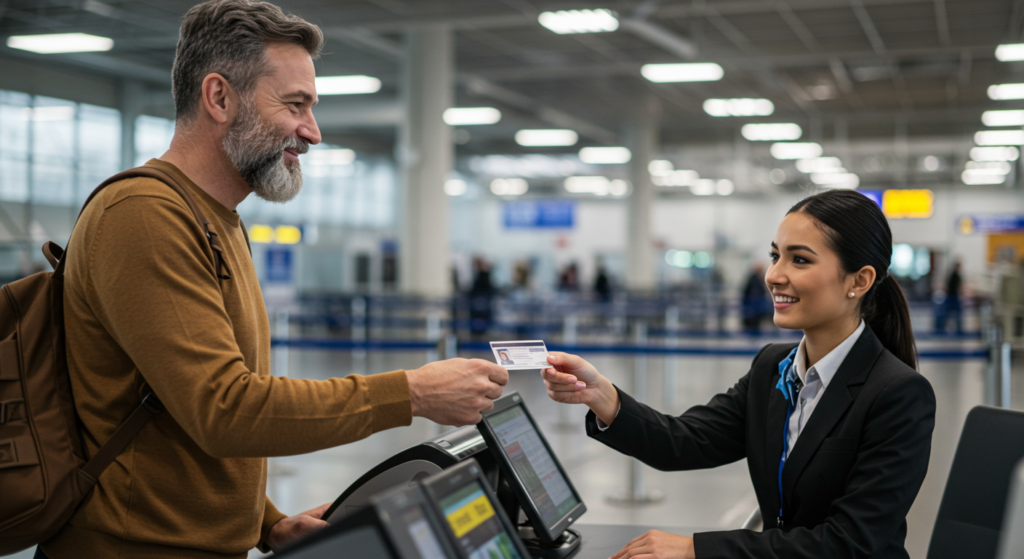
(278, 265)
(875, 195)
(539, 214)
(991, 223)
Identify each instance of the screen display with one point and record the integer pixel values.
(476, 526)
(421, 534)
(534, 465)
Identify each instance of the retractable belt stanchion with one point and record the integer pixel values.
(671, 361)
(570, 327)
(636, 493)
(992, 369)
(1004, 383)
(358, 326)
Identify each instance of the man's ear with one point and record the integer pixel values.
(219, 99)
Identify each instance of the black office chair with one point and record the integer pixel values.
(971, 514)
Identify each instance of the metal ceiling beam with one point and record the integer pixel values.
(797, 26)
(942, 22)
(661, 37)
(868, 26)
(105, 63)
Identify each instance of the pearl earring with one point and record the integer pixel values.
(852, 294)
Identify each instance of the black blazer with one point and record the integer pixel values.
(853, 473)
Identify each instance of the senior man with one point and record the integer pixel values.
(144, 305)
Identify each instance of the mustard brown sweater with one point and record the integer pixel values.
(142, 304)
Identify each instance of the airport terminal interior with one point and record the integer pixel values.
(606, 176)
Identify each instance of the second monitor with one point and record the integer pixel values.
(535, 477)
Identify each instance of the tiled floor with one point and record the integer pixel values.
(719, 498)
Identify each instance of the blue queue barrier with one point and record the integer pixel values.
(332, 344)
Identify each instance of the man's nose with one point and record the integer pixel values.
(309, 131)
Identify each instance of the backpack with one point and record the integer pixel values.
(44, 471)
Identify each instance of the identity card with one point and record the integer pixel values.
(531, 354)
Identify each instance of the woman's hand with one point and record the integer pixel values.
(292, 528)
(572, 380)
(658, 545)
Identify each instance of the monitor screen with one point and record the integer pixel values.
(410, 526)
(475, 525)
(364, 541)
(533, 463)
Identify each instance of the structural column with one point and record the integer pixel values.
(642, 140)
(130, 95)
(425, 153)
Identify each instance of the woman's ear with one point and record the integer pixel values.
(863, 279)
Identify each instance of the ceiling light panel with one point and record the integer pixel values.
(739, 107)
(579, 21)
(999, 138)
(60, 42)
(509, 187)
(780, 131)
(1002, 118)
(796, 150)
(471, 116)
(820, 165)
(543, 138)
(1006, 91)
(671, 73)
(995, 154)
(836, 180)
(989, 167)
(1010, 53)
(605, 155)
(347, 85)
(973, 177)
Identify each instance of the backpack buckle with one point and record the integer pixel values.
(7, 410)
(152, 403)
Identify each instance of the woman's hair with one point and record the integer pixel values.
(858, 232)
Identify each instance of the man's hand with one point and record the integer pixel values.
(292, 528)
(455, 392)
(658, 545)
(572, 380)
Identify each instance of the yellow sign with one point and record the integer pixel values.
(470, 516)
(966, 225)
(914, 204)
(282, 234)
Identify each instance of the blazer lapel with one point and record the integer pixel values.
(831, 408)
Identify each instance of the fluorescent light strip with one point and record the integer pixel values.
(1010, 53)
(820, 165)
(605, 156)
(471, 116)
(455, 187)
(337, 156)
(995, 154)
(1002, 118)
(579, 21)
(738, 107)
(659, 168)
(771, 132)
(999, 138)
(1006, 91)
(509, 187)
(541, 138)
(837, 180)
(972, 177)
(60, 42)
(347, 85)
(672, 73)
(796, 150)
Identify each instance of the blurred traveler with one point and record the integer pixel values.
(146, 308)
(836, 430)
(756, 301)
(481, 298)
(569, 279)
(603, 285)
(951, 307)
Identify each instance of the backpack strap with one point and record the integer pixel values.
(115, 445)
(219, 262)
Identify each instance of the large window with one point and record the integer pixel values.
(53, 151)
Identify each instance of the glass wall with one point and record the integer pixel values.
(53, 151)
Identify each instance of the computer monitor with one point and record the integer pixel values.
(536, 478)
(1011, 538)
(399, 524)
(415, 530)
(472, 514)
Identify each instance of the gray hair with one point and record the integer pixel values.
(230, 37)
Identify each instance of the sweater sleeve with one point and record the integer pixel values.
(270, 517)
(152, 286)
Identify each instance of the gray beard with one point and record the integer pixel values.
(253, 147)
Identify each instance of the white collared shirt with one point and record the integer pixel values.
(816, 379)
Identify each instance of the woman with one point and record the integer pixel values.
(836, 430)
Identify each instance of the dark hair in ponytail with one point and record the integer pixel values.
(858, 232)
